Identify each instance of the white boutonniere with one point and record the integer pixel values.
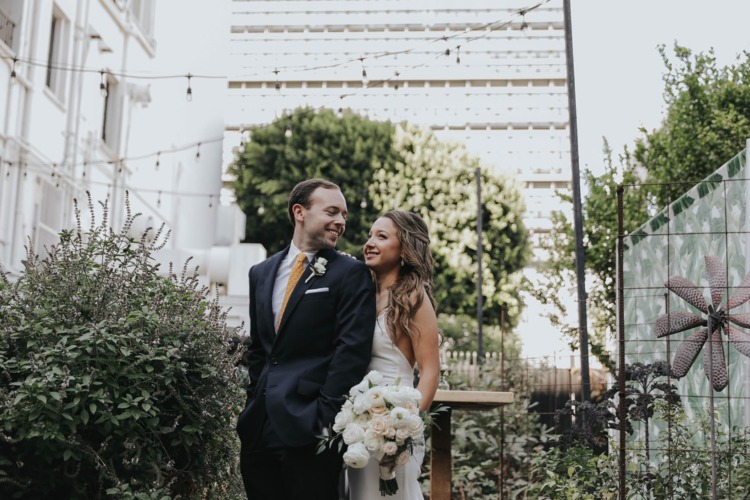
(318, 267)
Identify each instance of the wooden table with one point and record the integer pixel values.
(440, 459)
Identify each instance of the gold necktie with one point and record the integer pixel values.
(297, 269)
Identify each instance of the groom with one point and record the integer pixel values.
(312, 317)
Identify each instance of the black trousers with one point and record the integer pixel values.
(273, 472)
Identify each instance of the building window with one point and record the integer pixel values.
(57, 55)
(112, 113)
(10, 14)
(143, 12)
(48, 212)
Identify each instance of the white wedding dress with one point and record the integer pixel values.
(364, 483)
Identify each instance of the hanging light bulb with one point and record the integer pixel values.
(261, 209)
(276, 73)
(363, 203)
(458, 54)
(189, 94)
(288, 131)
(158, 157)
(365, 80)
(103, 84)
(396, 75)
(13, 69)
(198, 151)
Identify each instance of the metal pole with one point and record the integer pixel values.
(712, 407)
(577, 217)
(621, 387)
(480, 341)
(502, 408)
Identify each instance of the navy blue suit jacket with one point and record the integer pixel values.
(322, 348)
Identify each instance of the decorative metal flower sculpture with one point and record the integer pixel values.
(679, 321)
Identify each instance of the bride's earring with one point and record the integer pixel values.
(402, 262)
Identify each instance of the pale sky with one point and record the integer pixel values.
(619, 71)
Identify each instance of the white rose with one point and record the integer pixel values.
(359, 388)
(343, 418)
(402, 434)
(400, 417)
(353, 433)
(357, 456)
(390, 448)
(373, 441)
(360, 404)
(415, 424)
(374, 397)
(402, 395)
(375, 377)
(379, 424)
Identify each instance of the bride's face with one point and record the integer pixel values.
(383, 248)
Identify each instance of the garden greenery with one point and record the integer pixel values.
(114, 380)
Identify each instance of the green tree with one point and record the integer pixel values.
(707, 122)
(437, 180)
(304, 144)
(600, 245)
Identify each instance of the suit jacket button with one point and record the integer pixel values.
(274, 361)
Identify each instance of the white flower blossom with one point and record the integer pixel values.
(353, 433)
(357, 456)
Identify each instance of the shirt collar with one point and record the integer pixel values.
(294, 251)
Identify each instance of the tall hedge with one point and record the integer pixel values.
(114, 379)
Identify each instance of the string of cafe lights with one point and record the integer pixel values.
(57, 172)
(486, 28)
(64, 176)
(120, 161)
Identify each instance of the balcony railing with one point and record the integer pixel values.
(7, 26)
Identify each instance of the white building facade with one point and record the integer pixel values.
(116, 97)
(489, 74)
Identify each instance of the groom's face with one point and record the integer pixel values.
(323, 223)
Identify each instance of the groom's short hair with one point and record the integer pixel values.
(301, 194)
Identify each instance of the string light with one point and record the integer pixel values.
(198, 151)
(487, 28)
(102, 84)
(396, 75)
(158, 200)
(365, 81)
(458, 54)
(13, 69)
(276, 73)
(189, 95)
(158, 160)
(261, 209)
(210, 201)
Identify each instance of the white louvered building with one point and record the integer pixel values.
(506, 99)
(478, 72)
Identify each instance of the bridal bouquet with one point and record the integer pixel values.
(381, 421)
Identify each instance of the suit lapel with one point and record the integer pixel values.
(304, 285)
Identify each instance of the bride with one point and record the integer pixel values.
(406, 332)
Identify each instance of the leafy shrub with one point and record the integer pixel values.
(114, 380)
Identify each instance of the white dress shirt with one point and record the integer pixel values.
(282, 278)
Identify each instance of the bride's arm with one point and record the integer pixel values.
(426, 352)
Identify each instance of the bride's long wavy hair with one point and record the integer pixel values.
(405, 296)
